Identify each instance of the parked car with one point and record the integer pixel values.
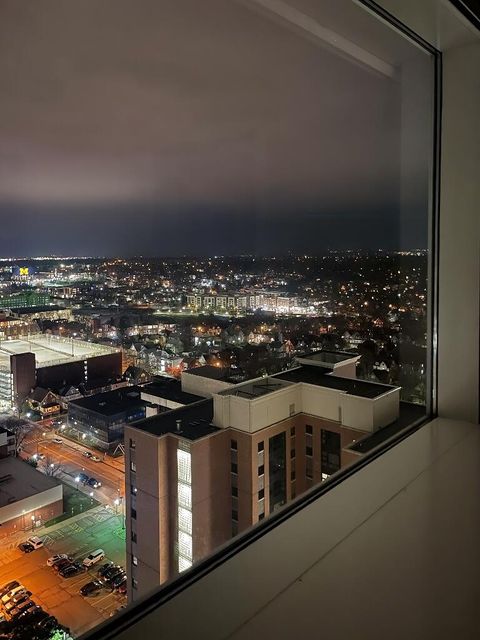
(115, 579)
(83, 478)
(96, 459)
(25, 605)
(29, 614)
(119, 580)
(94, 557)
(57, 440)
(33, 543)
(17, 599)
(71, 570)
(113, 571)
(31, 618)
(13, 592)
(122, 589)
(61, 564)
(104, 568)
(46, 622)
(92, 588)
(93, 482)
(56, 558)
(87, 454)
(9, 586)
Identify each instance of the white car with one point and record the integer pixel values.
(94, 557)
(57, 440)
(53, 559)
(12, 593)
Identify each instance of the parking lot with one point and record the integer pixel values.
(60, 596)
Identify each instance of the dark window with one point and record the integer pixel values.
(276, 470)
(309, 451)
(235, 515)
(134, 536)
(261, 494)
(309, 429)
(261, 516)
(292, 453)
(235, 492)
(292, 475)
(330, 451)
(234, 528)
(133, 513)
(260, 447)
(234, 468)
(233, 445)
(261, 470)
(132, 444)
(292, 431)
(134, 583)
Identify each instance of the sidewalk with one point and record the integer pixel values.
(12, 541)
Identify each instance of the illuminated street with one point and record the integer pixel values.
(69, 456)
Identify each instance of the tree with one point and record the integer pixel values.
(52, 468)
(20, 428)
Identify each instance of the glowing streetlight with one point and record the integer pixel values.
(77, 480)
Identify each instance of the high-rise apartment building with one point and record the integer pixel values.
(198, 475)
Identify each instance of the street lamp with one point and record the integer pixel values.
(77, 480)
(116, 502)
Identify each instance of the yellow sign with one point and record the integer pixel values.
(24, 271)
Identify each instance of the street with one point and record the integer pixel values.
(68, 462)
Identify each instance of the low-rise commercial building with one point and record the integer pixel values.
(100, 419)
(28, 498)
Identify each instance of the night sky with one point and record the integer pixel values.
(169, 127)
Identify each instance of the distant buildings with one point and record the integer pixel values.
(24, 300)
(198, 475)
(264, 300)
(51, 362)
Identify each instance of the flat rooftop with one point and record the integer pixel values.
(19, 480)
(169, 389)
(225, 374)
(195, 421)
(24, 311)
(256, 388)
(50, 350)
(112, 402)
(328, 358)
(324, 378)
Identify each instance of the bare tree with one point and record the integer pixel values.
(20, 428)
(51, 468)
